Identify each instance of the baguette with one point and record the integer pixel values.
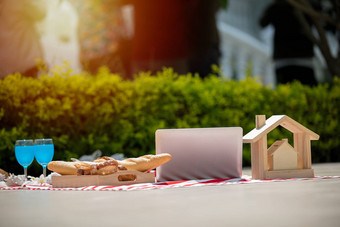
(101, 166)
(146, 162)
(108, 165)
(63, 168)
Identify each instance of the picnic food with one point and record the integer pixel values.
(3, 172)
(128, 171)
(121, 168)
(146, 162)
(108, 165)
(63, 168)
(100, 166)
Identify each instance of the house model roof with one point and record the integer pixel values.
(275, 121)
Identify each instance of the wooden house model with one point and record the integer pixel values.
(280, 160)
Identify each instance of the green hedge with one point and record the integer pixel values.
(83, 113)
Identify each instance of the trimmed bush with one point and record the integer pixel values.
(83, 113)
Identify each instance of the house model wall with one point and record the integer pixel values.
(263, 163)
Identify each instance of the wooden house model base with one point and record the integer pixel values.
(291, 173)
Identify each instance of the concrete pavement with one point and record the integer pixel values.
(289, 203)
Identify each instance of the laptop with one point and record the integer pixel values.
(200, 153)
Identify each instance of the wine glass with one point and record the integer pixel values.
(24, 153)
(44, 151)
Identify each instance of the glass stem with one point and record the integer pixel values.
(44, 171)
(25, 172)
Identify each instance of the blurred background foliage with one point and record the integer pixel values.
(83, 113)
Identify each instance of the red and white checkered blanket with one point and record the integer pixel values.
(162, 185)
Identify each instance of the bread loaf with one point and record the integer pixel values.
(63, 168)
(107, 165)
(146, 162)
(101, 166)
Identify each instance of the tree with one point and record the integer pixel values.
(325, 17)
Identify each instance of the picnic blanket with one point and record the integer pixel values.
(164, 185)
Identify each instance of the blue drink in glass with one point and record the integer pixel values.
(24, 153)
(44, 154)
(44, 151)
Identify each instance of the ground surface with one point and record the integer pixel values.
(290, 203)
